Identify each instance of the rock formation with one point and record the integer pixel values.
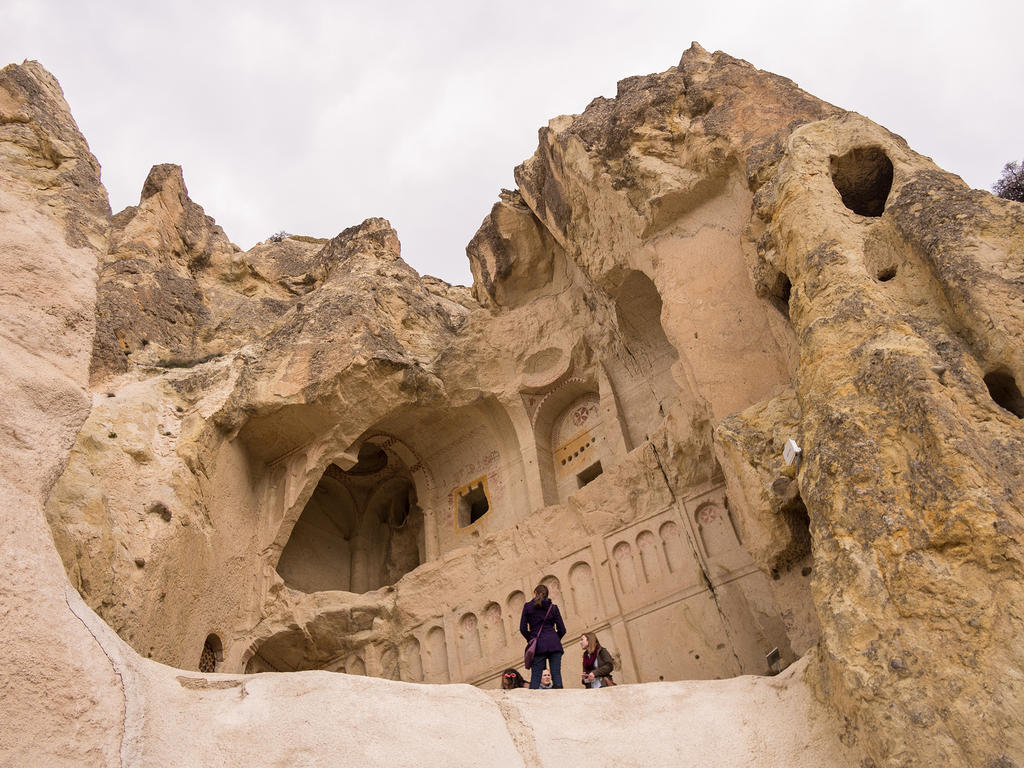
(308, 457)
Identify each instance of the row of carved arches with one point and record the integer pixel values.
(649, 557)
(487, 636)
(653, 554)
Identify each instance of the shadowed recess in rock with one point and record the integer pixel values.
(1004, 390)
(360, 530)
(863, 177)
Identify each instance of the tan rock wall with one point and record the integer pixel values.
(585, 358)
(688, 275)
(63, 702)
(909, 460)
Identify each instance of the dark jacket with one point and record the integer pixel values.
(551, 634)
(604, 664)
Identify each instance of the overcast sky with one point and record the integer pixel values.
(312, 116)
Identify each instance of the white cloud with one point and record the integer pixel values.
(311, 116)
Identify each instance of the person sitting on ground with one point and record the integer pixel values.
(545, 680)
(597, 663)
(511, 678)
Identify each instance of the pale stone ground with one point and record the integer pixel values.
(317, 718)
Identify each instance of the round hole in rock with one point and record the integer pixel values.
(886, 274)
(863, 178)
(159, 508)
(1004, 390)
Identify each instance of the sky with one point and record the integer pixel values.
(309, 117)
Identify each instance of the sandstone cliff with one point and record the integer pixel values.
(308, 457)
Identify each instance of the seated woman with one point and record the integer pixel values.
(597, 663)
(511, 678)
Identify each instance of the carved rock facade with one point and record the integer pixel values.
(306, 456)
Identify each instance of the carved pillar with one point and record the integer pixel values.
(615, 434)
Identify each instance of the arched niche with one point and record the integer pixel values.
(584, 592)
(554, 589)
(470, 648)
(641, 371)
(493, 629)
(466, 465)
(577, 444)
(318, 555)
(622, 555)
(436, 649)
(572, 449)
(715, 527)
(360, 530)
(514, 605)
(213, 654)
(412, 660)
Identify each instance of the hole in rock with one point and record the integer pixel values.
(371, 460)
(799, 524)
(360, 529)
(589, 474)
(159, 508)
(212, 655)
(863, 178)
(642, 373)
(887, 274)
(780, 293)
(1004, 390)
(473, 505)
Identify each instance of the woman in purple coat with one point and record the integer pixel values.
(541, 619)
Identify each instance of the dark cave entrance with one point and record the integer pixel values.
(361, 529)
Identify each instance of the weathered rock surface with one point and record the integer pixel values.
(62, 702)
(308, 457)
(174, 291)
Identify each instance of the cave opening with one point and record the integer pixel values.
(589, 474)
(1004, 391)
(781, 292)
(798, 522)
(863, 178)
(644, 386)
(886, 274)
(473, 504)
(212, 655)
(361, 529)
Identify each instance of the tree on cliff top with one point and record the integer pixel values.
(1010, 185)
